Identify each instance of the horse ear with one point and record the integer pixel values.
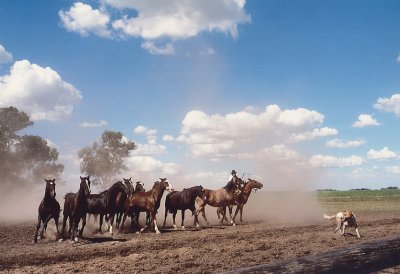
(123, 179)
(81, 177)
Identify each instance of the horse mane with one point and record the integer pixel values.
(69, 194)
(230, 186)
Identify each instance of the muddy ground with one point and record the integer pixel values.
(211, 249)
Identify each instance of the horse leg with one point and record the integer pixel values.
(203, 213)
(123, 220)
(173, 219)
(241, 213)
(37, 229)
(154, 220)
(111, 224)
(223, 212)
(196, 218)
(63, 226)
(83, 226)
(165, 216)
(101, 223)
(58, 232)
(145, 226)
(45, 226)
(230, 215)
(183, 219)
(74, 225)
(236, 212)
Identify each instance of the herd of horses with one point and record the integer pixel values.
(123, 200)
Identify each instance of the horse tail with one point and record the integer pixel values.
(329, 217)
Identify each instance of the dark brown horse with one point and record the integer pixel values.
(242, 200)
(75, 207)
(182, 200)
(121, 199)
(148, 201)
(104, 203)
(219, 198)
(134, 219)
(49, 208)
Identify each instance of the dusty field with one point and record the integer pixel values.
(213, 249)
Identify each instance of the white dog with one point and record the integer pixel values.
(343, 219)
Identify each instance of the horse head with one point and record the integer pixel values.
(139, 187)
(167, 185)
(254, 184)
(129, 185)
(50, 188)
(201, 193)
(85, 184)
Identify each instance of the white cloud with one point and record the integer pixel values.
(316, 133)
(391, 104)
(383, 154)
(168, 138)
(142, 130)
(38, 91)
(178, 19)
(156, 20)
(332, 161)
(149, 149)
(168, 49)
(280, 153)
(216, 136)
(101, 123)
(393, 169)
(365, 120)
(5, 57)
(338, 143)
(207, 52)
(398, 58)
(83, 19)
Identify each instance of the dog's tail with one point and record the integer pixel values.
(329, 217)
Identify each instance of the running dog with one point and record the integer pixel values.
(343, 219)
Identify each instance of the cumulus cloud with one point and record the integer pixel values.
(216, 136)
(391, 104)
(332, 161)
(5, 57)
(101, 123)
(38, 91)
(168, 49)
(207, 52)
(142, 130)
(339, 143)
(156, 20)
(383, 154)
(311, 135)
(168, 138)
(365, 120)
(280, 153)
(83, 19)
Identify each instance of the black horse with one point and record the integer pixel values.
(182, 200)
(49, 208)
(104, 203)
(75, 207)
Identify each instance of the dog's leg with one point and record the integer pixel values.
(344, 226)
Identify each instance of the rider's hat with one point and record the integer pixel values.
(233, 171)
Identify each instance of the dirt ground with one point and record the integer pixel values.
(208, 250)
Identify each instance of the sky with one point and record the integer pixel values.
(299, 95)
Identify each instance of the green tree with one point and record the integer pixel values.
(24, 159)
(104, 159)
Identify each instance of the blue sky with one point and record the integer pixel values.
(301, 94)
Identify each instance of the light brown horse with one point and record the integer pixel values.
(242, 200)
(148, 201)
(218, 198)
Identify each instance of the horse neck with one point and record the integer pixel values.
(81, 194)
(247, 188)
(157, 192)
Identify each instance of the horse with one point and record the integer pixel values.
(121, 199)
(76, 206)
(104, 203)
(242, 199)
(182, 200)
(139, 188)
(148, 201)
(224, 196)
(49, 208)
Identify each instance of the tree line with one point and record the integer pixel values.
(27, 159)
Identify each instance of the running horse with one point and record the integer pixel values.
(49, 208)
(104, 203)
(242, 200)
(139, 188)
(75, 207)
(224, 196)
(148, 201)
(182, 200)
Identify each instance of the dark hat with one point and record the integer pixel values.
(233, 171)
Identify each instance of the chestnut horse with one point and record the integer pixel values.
(216, 198)
(242, 200)
(182, 200)
(75, 207)
(148, 201)
(49, 208)
(139, 188)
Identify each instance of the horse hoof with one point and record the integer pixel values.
(183, 228)
(158, 232)
(174, 226)
(34, 242)
(76, 240)
(60, 240)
